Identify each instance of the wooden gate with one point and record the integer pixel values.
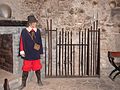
(72, 53)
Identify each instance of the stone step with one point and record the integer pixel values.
(14, 80)
(14, 84)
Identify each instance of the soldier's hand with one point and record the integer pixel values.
(23, 55)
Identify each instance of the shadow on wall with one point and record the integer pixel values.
(115, 17)
(117, 42)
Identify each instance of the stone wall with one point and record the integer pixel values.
(72, 15)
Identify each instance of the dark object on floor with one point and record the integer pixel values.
(116, 65)
(6, 84)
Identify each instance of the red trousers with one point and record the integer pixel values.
(29, 65)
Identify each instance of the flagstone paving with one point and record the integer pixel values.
(102, 83)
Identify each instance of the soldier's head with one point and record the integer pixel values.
(32, 21)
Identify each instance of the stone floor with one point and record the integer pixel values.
(102, 83)
(13, 79)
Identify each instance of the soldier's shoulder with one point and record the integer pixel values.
(24, 30)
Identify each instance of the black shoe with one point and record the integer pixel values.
(38, 75)
(21, 87)
(40, 83)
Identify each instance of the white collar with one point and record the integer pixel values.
(29, 29)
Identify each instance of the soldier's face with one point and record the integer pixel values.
(33, 25)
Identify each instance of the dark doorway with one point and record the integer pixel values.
(6, 52)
